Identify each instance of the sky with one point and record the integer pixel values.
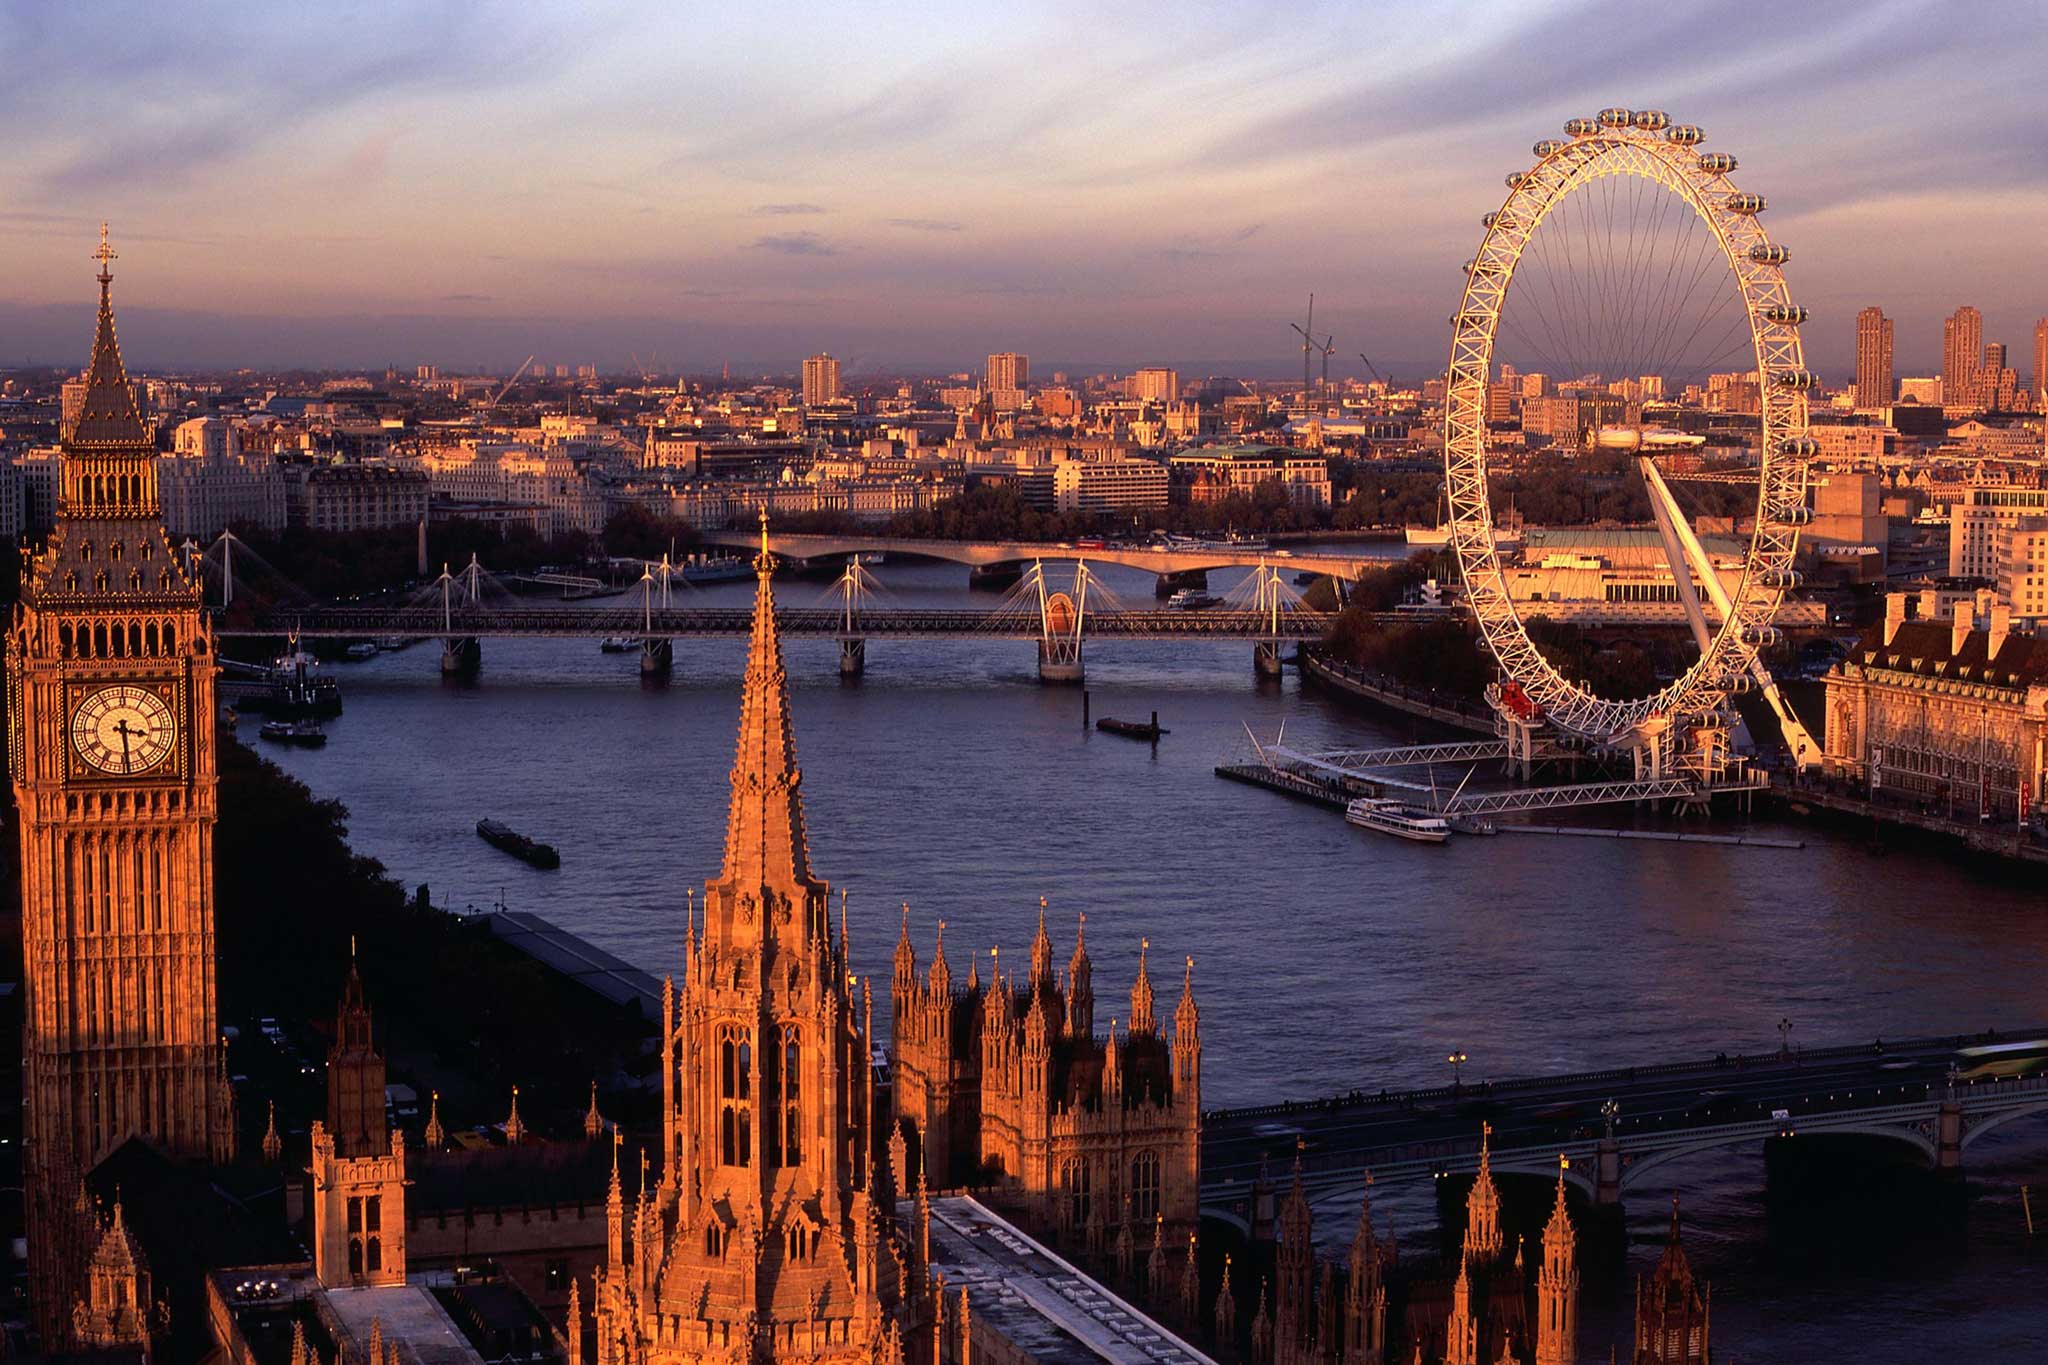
(913, 185)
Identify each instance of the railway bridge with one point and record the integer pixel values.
(1059, 618)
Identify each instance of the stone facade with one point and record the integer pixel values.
(1944, 713)
(1007, 1085)
(772, 1234)
(358, 1189)
(110, 700)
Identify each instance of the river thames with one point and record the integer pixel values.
(1326, 958)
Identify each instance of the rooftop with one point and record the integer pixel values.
(1040, 1303)
(408, 1314)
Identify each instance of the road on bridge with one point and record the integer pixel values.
(1538, 1116)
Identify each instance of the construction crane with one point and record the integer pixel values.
(1327, 348)
(510, 382)
(1373, 372)
(1308, 345)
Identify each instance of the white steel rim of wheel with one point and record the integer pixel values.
(1645, 147)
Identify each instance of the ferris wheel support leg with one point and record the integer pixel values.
(1805, 753)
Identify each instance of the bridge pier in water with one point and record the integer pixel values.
(1948, 1139)
(1059, 663)
(657, 658)
(853, 658)
(461, 657)
(1266, 660)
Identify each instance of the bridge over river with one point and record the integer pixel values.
(1165, 560)
(1615, 1127)
(454, 609)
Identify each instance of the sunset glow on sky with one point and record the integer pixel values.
(912, 186)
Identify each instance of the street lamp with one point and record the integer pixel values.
(1609, 1111)
(1784, 1039)
(1457, 1060)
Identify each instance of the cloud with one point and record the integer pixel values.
(784, 210)
(795, 244)
(465, 298)
(926, 224)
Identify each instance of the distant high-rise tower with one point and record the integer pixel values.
(2041, 363)
(1873, 359)
(110, 721)
(821, 380)
(1008, 371)
(1962, 352)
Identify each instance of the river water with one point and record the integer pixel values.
(1326, 959)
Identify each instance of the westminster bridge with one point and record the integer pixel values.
(1613, 1128)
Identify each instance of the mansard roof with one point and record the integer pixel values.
(1926, 649)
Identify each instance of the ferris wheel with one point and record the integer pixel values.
(1626, 259)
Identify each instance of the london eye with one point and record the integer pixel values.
(1626, 265)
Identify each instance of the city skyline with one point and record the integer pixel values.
(411, 209)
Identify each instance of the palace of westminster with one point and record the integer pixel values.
(997, 1184)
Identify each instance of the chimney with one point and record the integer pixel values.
(1894, 614)
(2001, 626)
(1930, 605)
(1965, 618)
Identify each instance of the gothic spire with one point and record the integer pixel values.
(765, 847)
(1141, 993)
(1041, 951)
(1482, 1205)
(108, 417)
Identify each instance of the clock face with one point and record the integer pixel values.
(123, 730)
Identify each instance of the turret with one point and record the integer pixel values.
(1365, 1292)
(1080, 987)
(1141, 994)
(355, 1074)
(1557, 1286)
(1482, 1207)
(1295, 1263)
(903, 982)
(1041, 953)
(1187, 1045)
(615, 1213)
(1672, 1309)
(1461, 1333)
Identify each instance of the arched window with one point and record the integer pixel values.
(735, 1092)
(1145, 1186)
(792, 1096)
(1076, 1182)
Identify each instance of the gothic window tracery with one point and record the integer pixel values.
(1145, 1186)
(1076, 1181)
(735, 1087)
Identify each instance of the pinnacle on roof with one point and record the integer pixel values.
(1141, 993)
(108, 418)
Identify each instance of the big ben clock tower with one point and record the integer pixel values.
(110, 739)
